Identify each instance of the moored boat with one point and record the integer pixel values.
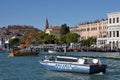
(52, 51)
(73, 64)
(20, 52)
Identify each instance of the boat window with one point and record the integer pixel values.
(88, 61)
(51, 58)
(67, 60)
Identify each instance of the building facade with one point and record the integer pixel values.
(96, 29)
(53, 30)
(113, 38)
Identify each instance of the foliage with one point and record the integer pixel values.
(42, 37)
(14, 41)
(57, 41)
(49, 39)
(68, 38)
(89, 41)
(72, 37)
(62, 39)
(39, 37)
(64, 29)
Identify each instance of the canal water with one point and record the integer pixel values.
(29, 68)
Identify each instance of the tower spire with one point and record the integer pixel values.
(46, 24)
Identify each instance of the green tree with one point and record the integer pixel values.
(89, 41)
(72, 37)
(14, 42)
(39, 38)
(84, 42)
(64, 29)
(49, 39)
(62, 39)
(57, 41)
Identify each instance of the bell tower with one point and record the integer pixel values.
(46, 24)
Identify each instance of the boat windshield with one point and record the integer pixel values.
(67, 60)
(50, 58)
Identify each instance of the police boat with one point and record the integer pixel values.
(73, 64)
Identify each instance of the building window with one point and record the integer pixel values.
(113, 20)
(110, 20)
(113, 33)
(110, 33)
(88, 29)
(99, 28)
(117, 19)
(96, 28)
(117, 33)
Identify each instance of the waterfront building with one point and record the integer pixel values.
(113, 38)
(97, 28)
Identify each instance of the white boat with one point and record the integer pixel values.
(52, 51)
(73, 64)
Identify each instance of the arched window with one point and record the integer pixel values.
(113, 33)
(110, 21)
(113, 20)
(110, 33)
(113, 45)
(117, 44)
(109, 43)
(117, 33)
(117, 19)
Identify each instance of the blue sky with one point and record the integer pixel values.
(58, 12)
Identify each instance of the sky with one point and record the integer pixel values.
(58, 12)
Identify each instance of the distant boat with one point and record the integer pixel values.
(73, 64)
(52, 51)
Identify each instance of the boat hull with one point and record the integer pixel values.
(20, 53)
(81, 68)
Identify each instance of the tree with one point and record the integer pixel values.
(72, 37)
(89, 41)
(62, 39)
(57, 41)
(39, 37)
(49, 39)
(14, 42)
(64, 29)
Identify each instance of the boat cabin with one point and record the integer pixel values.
(66, 59)
(74, 60)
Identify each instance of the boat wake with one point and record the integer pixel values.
(100, 73)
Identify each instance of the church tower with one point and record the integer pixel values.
(46, 24)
